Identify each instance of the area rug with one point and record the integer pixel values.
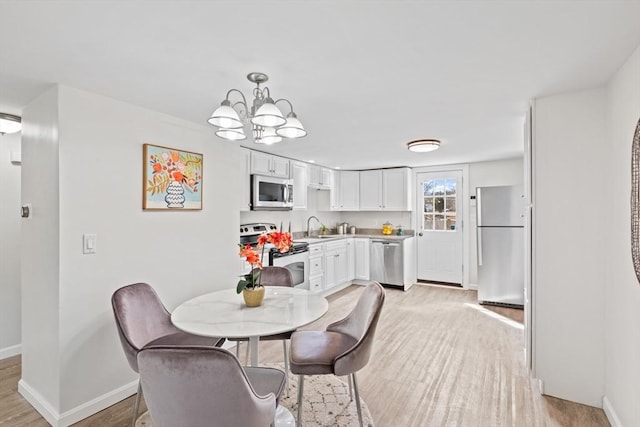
(326, 403)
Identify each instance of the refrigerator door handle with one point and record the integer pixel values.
(479, 206)
(479, 246)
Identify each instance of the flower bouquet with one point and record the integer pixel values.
(250, 286)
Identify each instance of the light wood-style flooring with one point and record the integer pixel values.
(439, 360)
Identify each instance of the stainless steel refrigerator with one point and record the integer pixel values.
(500, 233)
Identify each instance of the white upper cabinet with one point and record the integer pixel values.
(266, 164)
(396, 189)
(299, 173)
(386, 189)
(319, 177)
(371, 190)
(349, 190)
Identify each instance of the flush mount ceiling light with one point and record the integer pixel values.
(268, 124)
(9, 123)
(423, 145)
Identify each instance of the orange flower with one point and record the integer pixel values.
(157, 167)
(281, 240)
(251, 256)
(175, 156)
(263, 239)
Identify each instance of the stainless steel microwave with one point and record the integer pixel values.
(270, 194)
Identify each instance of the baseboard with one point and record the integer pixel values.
(610, 413)
(14, 350)
(78, 413)
(39, 403)
(473, 286)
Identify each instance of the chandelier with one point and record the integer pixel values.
(268, 124)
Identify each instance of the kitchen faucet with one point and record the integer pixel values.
(308, 222)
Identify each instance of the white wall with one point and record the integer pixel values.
(10, 336)
(571, 216)
(40, 253)
(622, 290)
(181, 254)
(485, 174)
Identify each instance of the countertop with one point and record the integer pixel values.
(334, 237)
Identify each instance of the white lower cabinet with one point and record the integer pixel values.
(351, 258)
(316, 267)
(335, 264)
(361, 264)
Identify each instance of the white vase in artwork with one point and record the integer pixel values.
(175, 195)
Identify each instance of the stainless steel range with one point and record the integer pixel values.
(296, 260)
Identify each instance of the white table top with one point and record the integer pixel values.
(223, 313)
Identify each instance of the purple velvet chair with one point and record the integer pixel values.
(196, 386)
(143, 321)
(343, 348)
(272, 276)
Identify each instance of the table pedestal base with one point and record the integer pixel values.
(284, 418)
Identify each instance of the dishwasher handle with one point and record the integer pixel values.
(386, 242)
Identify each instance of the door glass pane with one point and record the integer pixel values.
(451, 222)
(428, 204)
(439, 187)
(427, 187)
(450, 186)
(439, 204)
(439, 222)
(428, 222)
(451, 204)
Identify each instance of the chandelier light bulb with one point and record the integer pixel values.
(231, 134)
(292, 128)
(225, 117)
(268, 115)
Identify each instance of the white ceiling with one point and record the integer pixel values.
(364, 77)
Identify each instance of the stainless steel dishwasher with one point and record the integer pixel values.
(386, 263)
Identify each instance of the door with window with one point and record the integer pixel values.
(439, 220)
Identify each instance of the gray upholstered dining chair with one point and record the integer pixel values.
(342, 349)
(195, 386)
(143, 321)
(273, 276)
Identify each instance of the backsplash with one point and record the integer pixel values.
(318, 206)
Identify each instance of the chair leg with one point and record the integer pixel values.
(355, 388)
(246, 354)
(350, 388)
(136, 404)
(300, 387)
(238, 350)
(286, 364)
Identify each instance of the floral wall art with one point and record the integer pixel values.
(172, 179)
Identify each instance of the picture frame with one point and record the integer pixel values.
(171, 179)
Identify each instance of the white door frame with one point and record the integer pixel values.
(464, 168)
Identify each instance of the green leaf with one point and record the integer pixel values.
(242, 283)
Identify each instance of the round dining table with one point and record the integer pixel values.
(223, 314)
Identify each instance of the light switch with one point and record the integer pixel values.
(89, 242)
